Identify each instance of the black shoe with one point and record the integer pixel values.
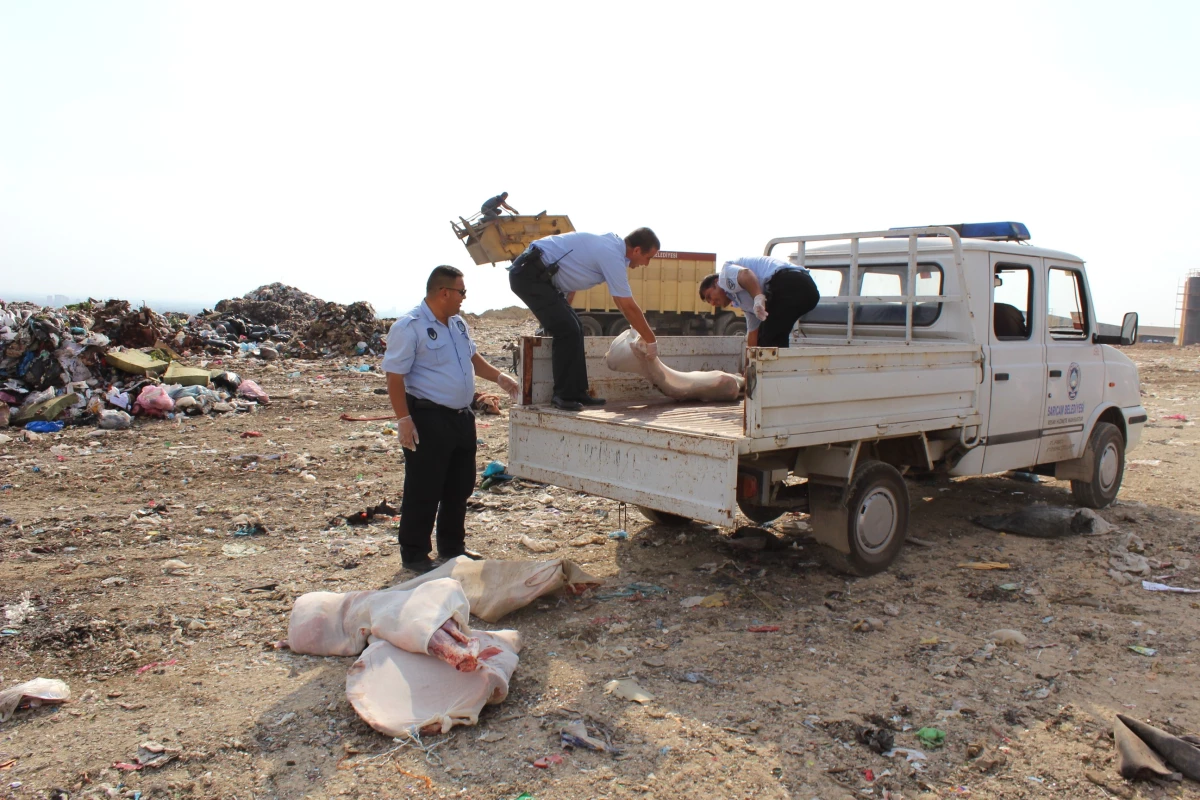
(471, 554)
(423, 566)
(588, 400)
(565, 404)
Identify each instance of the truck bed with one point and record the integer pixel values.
(646, 449)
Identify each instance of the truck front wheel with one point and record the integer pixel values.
(591, 326)
(1107, 448)
(876, 520)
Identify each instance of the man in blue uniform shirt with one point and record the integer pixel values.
(547, 276)
(491, 207)
(431, 364)
(773, 293)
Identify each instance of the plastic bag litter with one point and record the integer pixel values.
(112, 420)
(495, 588)
(711, 386)
(37, 692)
(154, 402)
(249, 389)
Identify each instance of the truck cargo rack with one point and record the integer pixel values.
(910, 300)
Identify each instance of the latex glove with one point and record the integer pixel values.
(760, 306)
(509, 384)
(408, 434)
(646, 350)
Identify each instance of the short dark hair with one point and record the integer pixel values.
(643, 238)
(706, 284)
(442, 277)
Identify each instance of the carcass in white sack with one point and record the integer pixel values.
(711, 386)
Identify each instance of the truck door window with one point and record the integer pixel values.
(828, 281)
(1066, 308)
(1012, 298)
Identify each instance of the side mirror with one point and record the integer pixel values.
(1129, 328)
(1128, 335)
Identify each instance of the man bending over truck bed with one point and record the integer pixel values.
(773, 293)
(547, 276)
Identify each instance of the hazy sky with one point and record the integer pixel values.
(198, 150)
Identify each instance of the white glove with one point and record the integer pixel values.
(408, 434)
(646, 350)
(509, 384)
(760, 306)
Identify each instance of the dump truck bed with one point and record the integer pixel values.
(646, 449)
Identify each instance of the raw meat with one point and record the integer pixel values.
(712, 386)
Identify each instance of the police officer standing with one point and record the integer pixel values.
(549, 273)
(431, 364)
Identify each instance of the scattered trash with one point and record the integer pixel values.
(891, 609)
(932, 737)
(32, 694)
(1134, 564)
(711, 601)
(1144, 462)
(176, 567)
(242, 549)
(879, 740)
(574, 734)
(619, 534)
(545, 762)
(869, 624)
(1150, 586)
(1027, 477)
(537, 545)
(628, 689)
(364, 517)
(984, 565)
(1047, 522)
(763, 629)
(150, 755)
(251, 434)
(156, 665)
(1009, 587)
(256, 529)
(112, 420)
(631, 590)
(908, 753)
(1178, 417)
(1144, 751)
(1007, 637)
(587, 539)
(1143, 651)
(44, 427)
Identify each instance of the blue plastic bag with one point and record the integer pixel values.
(44, 427)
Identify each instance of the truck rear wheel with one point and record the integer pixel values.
(876, 520)
(591, 326)
(732, 325)
(665, 518)
(618, 326)
(1107, 447)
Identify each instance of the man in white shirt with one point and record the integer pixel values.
(547, 276)
(772, 292)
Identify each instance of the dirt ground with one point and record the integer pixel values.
(183, 656)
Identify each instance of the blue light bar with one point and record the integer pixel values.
(995, 231)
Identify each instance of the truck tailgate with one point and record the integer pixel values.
(674, 457)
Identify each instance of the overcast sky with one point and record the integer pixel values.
(195, 151)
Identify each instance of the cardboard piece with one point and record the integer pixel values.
(185, 376)
(135, 362)
(45, 411)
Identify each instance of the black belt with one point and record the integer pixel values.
(531, 261)
(429, 405)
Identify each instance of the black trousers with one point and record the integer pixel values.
(439, 476)
(791, 294)
(529, 281)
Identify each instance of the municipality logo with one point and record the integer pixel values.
(1073, 380)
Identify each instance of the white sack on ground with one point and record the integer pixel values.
(495, 588)
(397, 692)
(37, 692)
(332, 624)
(712, 386)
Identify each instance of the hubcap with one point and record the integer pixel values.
(876, 523)
(1110, 463)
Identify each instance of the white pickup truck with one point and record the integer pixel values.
(954, 350)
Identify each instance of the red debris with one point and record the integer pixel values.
(869, 775)
(154, 664)
(545, 762)
(250, 434)
(763, 628)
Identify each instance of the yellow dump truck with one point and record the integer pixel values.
(667, 289)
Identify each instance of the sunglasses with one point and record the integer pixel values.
(462, 292)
